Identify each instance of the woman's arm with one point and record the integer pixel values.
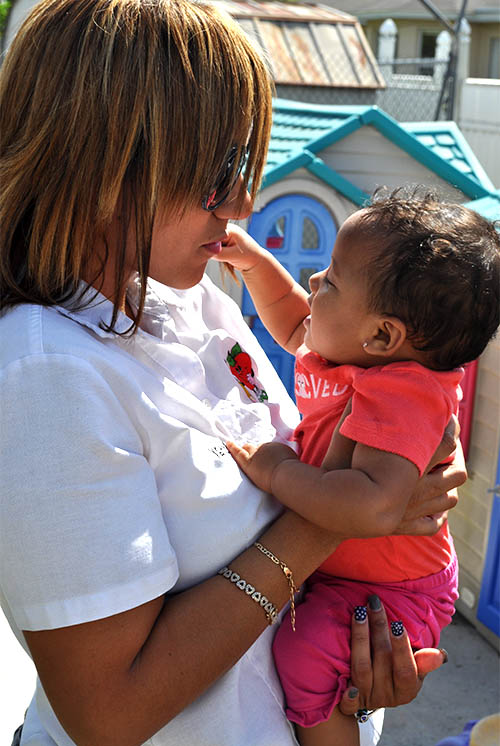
(119, 680)
(280, 301)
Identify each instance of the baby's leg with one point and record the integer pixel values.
(339, 730)
(313, 662)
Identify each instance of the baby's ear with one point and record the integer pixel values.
(387, 338)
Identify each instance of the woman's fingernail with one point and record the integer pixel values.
(360, 614)
(374, 603)
(397, 629)
(352, 693)
(444, 653)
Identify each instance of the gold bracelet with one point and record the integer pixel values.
(288, 575)
(270, 610)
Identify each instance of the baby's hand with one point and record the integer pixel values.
(239, 250)
(259, 462)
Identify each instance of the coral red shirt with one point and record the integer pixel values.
(402, 408)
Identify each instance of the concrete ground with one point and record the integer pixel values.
(466, 688)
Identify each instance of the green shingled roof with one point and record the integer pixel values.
(301, 131)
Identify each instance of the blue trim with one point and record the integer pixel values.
(284, 104)
(338, 182)
(488, 610)
(467, 152)
(301, 158)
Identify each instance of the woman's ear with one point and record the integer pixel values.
(387, 337)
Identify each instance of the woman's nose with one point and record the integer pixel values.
(238, 204)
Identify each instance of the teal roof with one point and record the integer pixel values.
(488, 207)
(446, 140)
(301, 131)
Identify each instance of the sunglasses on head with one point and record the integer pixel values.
(225, 181)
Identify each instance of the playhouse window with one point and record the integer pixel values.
(310, 237)
(276, 234)
(304, 275)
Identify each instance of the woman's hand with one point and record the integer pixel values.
(384, 670)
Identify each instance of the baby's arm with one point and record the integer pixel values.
(367, 500)
(280, 301)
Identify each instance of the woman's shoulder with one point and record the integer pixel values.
(33, 334)
(22, 332)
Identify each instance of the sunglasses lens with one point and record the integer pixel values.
(209, 200)
(226, 180)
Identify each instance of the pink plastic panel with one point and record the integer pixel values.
(466, 408)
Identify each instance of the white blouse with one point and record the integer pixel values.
(117, 486)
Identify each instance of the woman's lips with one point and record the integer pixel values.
(215, 247)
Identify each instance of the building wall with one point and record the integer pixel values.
(481, 39)
(410, 32)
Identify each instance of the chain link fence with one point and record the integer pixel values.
(414, 87)
(413, 90)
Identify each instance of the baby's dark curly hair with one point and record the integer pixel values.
(438, 270)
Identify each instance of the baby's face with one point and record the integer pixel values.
(340, 320)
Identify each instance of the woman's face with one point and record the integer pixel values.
(181, 246)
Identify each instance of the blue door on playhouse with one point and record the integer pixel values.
(300, 232)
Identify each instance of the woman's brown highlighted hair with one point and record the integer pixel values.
(116, 105)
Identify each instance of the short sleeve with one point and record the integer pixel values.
(81, 530)
(402, 410)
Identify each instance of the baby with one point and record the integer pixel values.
(410, 295)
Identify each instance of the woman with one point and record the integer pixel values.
(125, 128)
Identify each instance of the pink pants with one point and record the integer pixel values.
(314, 661)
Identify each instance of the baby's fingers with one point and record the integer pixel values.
(241, 454)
